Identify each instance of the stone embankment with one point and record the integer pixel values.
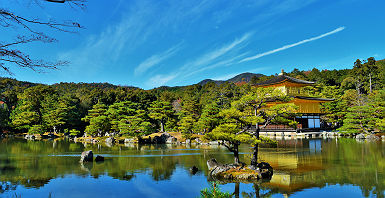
(322, 134)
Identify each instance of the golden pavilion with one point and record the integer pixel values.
(309, 108)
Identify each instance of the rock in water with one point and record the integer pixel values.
(162, 139)
(188, 141)
(87, 156)
(193, 170)
(266, 171)
(171, 140)
(212, 163)
(216, 168)
(144, 141)
(29, 137)
(360, 136)
(158, 140)
(372, 137)
(99, 158)
(129, 140)
(110, 140)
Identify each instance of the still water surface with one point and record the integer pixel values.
(303, 168)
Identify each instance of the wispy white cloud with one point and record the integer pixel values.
(161, 79)
(212, 55)
(225, 77)
(292, 45)
(156, 59)
(221, 56)
(133, 30)
(376, 55)
(223, 63)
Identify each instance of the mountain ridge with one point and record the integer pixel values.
(243, 77)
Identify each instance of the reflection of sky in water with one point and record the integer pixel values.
(305, 168)
(181, 184)
(109, 155)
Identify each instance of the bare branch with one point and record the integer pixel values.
(72, 3)
(24, 39)
(9, 17)
(22, 60)
(13, 56)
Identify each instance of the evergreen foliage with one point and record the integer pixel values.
(214, 192)
(99, 108)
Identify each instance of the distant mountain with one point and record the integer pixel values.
(205, 81)
(246, 77)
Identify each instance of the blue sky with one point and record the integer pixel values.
(150, 43)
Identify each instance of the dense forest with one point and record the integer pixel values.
(99, 108)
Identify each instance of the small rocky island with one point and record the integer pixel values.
(238, 172)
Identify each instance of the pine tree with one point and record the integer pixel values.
(359, 119)
(209, 118)
(98, 126)
(136, 125)
(99, 122)
(118, 111)
(252, 109)
(160, 111)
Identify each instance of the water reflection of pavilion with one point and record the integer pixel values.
(296, 169)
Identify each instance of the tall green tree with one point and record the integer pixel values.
(136, 125)
(209, 118)
(366, 115)
(254, 104)
(98, 126)
(120, 110)
(252, 109)
(28, 111)
(187, 126)
(98, 121)
(359, 119)
(97, 110)
(57, 112)
(160, 111)
(232, 131)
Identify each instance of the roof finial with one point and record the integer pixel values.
(282, 72)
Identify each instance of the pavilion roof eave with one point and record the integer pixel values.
(314, 98)
(283, 78)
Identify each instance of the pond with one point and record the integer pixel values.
(302, 168)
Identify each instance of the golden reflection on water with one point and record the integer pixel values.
(298, 164)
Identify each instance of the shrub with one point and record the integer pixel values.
(214, 192)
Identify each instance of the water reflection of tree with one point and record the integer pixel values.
(338, 162)
(260, 192)
(7, 186)
(343, 162)
(367, 170)
(34, 164)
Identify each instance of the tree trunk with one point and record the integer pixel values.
(370, 83)
(358, 87)
(256, 188)
(254, 159)
(161, 126)
(236, 154)
(236, 190)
